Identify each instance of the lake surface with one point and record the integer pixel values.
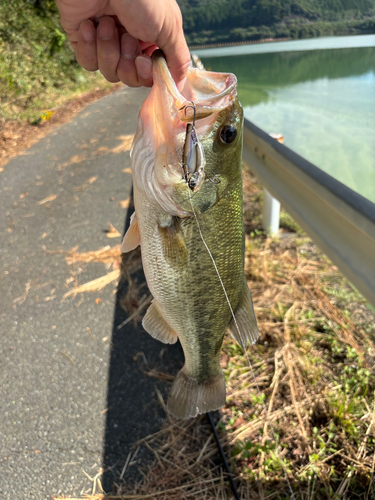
(321, 100)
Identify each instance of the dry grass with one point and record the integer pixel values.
(110, 256)
(306, 408)
(107, 255)
(126, 268)
(95, 285)
(137, 297)
(185, 465)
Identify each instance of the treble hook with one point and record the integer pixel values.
(192, 106)
(214, 179)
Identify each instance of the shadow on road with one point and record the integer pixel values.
(133, 410)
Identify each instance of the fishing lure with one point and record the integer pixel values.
(193, 159)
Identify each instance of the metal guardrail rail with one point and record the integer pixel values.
(339, 220)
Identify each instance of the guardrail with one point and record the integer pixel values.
(339, 220)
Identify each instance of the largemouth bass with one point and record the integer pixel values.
(192, 233)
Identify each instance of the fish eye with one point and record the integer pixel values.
(228, 134)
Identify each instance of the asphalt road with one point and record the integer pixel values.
(72, 397)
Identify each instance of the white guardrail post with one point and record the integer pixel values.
(271, 213)
(340, 221)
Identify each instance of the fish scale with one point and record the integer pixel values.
(171, 222)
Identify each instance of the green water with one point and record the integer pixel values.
(322, 101)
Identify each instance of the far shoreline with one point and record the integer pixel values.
(232, 44)
(285, 45)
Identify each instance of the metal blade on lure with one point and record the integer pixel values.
(193, 159)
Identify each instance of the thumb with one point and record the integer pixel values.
(172, 42)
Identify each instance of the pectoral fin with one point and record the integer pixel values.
(173, 242)
(132, 236)
(157, 327)
(245, 318)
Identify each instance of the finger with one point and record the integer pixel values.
(172, 42)
(143, 64)
(121, 31)
(85, 48)
(108, 49)
(126, 69)
(178, 60)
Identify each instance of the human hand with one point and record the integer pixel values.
(118, 37)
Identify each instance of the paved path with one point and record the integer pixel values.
(56, 378)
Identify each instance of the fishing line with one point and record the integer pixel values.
(214, 263)
(239, 333)
(223, 457)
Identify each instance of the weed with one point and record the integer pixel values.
(38, 69)
(286, 222)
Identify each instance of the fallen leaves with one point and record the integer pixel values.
(46, 115)
(125, 145)
(21, 299)
(125, 203)
(67, 357)
(86, 184)
(105, 254)
(73, 160)
(95, 285)
(77, 159)
(46, 200)
(112, 232)
(101, 150)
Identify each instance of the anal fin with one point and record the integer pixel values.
(154, 324)
(245, 318)
(132, 236)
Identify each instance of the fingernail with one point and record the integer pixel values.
(87, 32)
(144, 66)
(129, 46)
(106, 30)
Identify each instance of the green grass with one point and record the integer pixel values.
(287, 222)
(38, 70)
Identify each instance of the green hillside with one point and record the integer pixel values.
(224, 21)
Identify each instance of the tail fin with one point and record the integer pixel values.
(188, 398)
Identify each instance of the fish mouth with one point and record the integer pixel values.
(211, 92)
(162, 124)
